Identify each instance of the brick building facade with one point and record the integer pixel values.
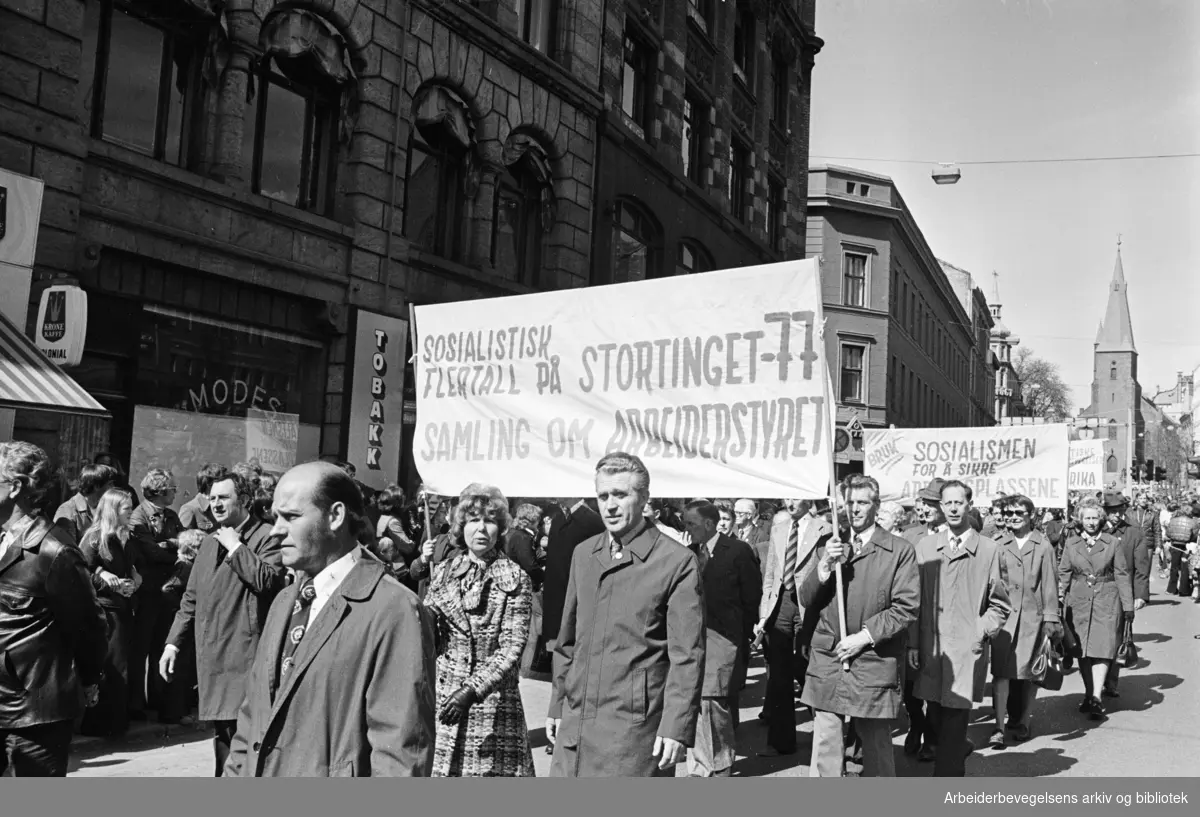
(907, 340)
(227, 178)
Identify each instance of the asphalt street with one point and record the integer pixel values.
(1151, 729)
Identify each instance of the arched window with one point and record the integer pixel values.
(1112, 372)
(517, 238)
(634, 244)
(292, 125)
(440, 173)
(692, 258)
(1111, 464)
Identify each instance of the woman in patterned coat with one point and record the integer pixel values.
(481, 601)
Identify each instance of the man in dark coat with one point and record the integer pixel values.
(195, 513)
(732, 590)
(920, 726)
(233, 582)
(155, 530)
(1145, 518)
(342, 683)
(1137, 548)
(577, 523)
(882, 592)
(629, 658)
(750, 529)
(53, 634)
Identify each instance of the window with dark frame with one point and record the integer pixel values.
(739, 172)
(701, 13)
(517, 236)
(695, 132)
(636, 75)
(692, 259)
(634, 245)
(854, 279)
(290, 140)
(779, 93)
(775, 210)
(743, 47)
(535, 22)
(433, 198)
(852, 368)
(150, 98)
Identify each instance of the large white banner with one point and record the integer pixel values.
(994, 461)
(1087, 465)
(717, 381)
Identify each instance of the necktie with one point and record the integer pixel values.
(789, 557)
(856, 546)
(297, 626)
(955, 545)
(614, 549)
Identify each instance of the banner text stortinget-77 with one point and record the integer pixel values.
(715, 380)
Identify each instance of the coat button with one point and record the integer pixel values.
(257, 746)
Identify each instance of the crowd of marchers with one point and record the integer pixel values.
(323, 629)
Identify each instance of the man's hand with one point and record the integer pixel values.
(166, 664)
(1139, 604)
(552, 725)
(670, 752)
(91, 695)
(229, 539)
(835, 552)
(852, 645)
(760, 630)
(914, 658)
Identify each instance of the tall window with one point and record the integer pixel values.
(743, 47)
(775, 209)
(433, 198)
(695, 131)
(692, 258)
(779, 92)
(290, 139)
(535, 22)
(634, 247)
(141, 76)
(636, 74)
(1112, 372)
(739, 172)
(853, 359)
(854, 279)
(517, 238)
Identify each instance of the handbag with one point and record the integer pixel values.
(1127, 653)
(1047, 667)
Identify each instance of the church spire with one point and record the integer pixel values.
(1116, 331)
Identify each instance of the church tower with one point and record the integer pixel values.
(1116, 395)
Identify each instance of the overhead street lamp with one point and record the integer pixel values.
(946, 173)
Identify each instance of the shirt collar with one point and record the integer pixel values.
(866, 536)
(711, 544)
(630, 536)
(328, 580)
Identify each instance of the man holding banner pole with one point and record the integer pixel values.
(630, 653)
(882, 592)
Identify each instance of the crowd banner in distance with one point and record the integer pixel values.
(715, 380)
(1087, 465)
(995, 461)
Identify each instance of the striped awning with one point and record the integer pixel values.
(29, 381)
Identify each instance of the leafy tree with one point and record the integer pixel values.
(1043, 392)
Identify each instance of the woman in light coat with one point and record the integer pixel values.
(481, 602)
(1027, 567)
(1094, 582)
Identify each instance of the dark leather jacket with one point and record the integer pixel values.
(53, 634)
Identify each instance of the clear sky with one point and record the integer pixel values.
(982, 80)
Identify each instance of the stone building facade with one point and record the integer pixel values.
(229, 179)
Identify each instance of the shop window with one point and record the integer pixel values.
(692, 258)
(636, 81)
(142, 81)
(535, 22)
(854, 279)
(779, 93)
(775, 213)
(635, 242)
(743, 47)
(695, 132)
(852, 368)
(739, 172)
(517, 237)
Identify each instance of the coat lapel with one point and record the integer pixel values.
(28, 539)
(272, 639)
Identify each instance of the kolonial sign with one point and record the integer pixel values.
(1087, 466)
(61, 328)
(376, 398)
(716, 381)
(995, 461)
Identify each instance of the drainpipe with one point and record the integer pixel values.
(395, 155)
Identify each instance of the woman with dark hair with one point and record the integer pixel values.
(394, 546)
(481, 601)
(113, 560)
